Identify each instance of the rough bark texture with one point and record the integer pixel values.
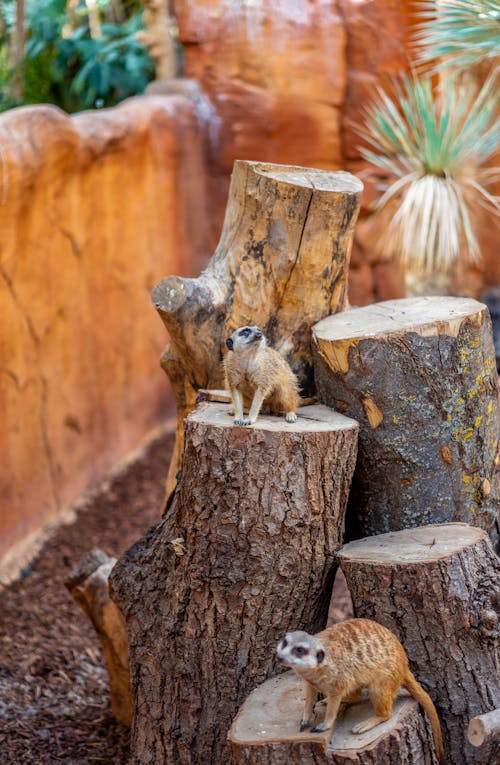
(244, 552)
(437, 588)
(88, 584)
(265, 732)
(420, 377)
(281, 263)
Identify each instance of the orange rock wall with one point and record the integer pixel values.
(94, 210)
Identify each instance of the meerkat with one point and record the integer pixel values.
(258, 374)
(347, 657)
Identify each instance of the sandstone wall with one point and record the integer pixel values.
(285, 80)
(94, 210)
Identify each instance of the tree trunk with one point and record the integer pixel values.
(266, 732)
(281, 263)
(88, 584)
(437, 589)
(245, 551)
(420, 377)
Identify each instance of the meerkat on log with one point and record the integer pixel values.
(341, 661)
(258, 374)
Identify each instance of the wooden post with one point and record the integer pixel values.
(436, 588)
(281, 263)
(420, 377)
(265, 732)
(245, 551)
(88, 584)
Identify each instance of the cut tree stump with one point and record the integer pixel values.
(419, 375)
(281, 263)
(266, 732)
(437, 588)
(244, 552)
(485, 729)
(88, 584)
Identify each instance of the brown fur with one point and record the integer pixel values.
(342, 660)
(260, 375)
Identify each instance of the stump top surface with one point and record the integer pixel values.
(423, 315)
(311, 419)
(425, 543)
(309, 177)
(272, 713)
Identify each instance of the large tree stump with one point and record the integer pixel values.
(420, 377)
(88, 584)
(437, 588)
(245, 551)
(281, 263)
(265, 732)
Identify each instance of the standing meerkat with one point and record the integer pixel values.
(342, 660)
(258, 374)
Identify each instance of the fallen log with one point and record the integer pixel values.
(420, 376)
(88, 584)
(245, 551)
(436, 588)
(266, 732)
(281, 262)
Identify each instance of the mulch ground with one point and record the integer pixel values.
(54, 700)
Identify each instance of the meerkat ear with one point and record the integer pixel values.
(229, 343)
(320, 656)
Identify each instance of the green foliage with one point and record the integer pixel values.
(431, 148)
(65, 65)
(461, 32)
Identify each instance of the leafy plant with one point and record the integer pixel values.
(461, 32)
(431, 149)
(67, 66)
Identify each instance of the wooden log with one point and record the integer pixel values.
(245, 551)
(88, 584)
(436, 588)
(419, 375)
(266, 732)
(484, 729)
(281, 263)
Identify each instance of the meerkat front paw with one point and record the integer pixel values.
(304, 725)
(243, 422)
(320, 728)
(291, 417)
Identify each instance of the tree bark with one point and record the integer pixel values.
(484, 729)
(437, 588)
(265, 732)
(245, 551)
(281, 263)
(88, 584)
(420, 377)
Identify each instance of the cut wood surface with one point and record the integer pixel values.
(485, 729)
(88, 584)
(419, 375)
(266, 732)
(281, 263)
(437, 588)
(245, 552)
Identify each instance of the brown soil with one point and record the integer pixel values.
(54, 701)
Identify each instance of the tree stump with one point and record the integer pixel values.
(265, 732)
(245, 551)
(88, 584)
(484, 728)
(281, 263)
(437, 588)
(419, 375)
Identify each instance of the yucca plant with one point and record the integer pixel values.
(431, 148)
(458, 32)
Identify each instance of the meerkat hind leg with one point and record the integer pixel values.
(382, 702)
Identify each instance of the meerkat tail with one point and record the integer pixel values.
(415, 689)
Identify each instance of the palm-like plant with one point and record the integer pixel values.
(459, 32)
(432, 149)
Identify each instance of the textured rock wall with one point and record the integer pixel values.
(285, 80)
(94, 210)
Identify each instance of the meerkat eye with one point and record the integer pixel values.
(300, 650)
(245, 332)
